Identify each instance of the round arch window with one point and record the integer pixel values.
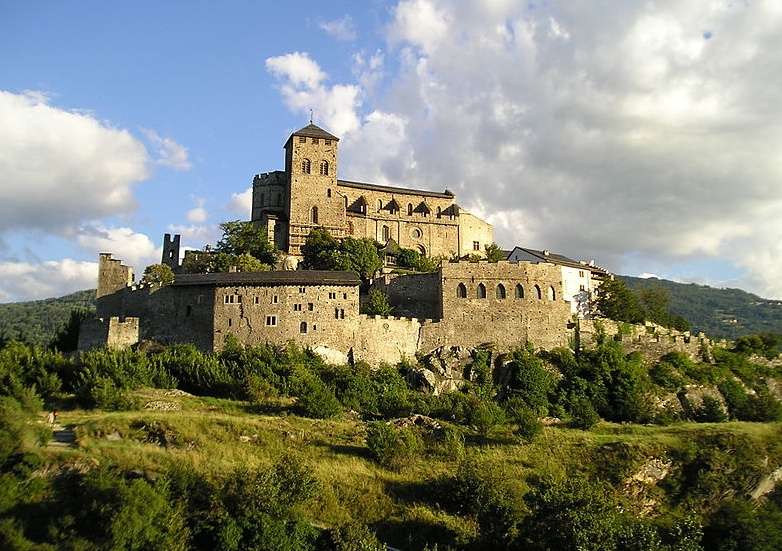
(416, 233)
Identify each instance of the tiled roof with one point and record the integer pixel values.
(312, 131)
(562, 260)
(294, 277)
(391, 189)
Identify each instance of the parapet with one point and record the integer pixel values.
(113, 275)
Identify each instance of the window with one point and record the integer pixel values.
(302, 139)
(257, 300)
(327, 142)
(199, 299)
(481, 290)
(476, 246)
(305, 166)
(581, 273)
(379, 204)
(501, 291)
(386, 233)
(271, 321)
(275, 299)
(303, 327)
(345, 296)
(324, 170)
(339, 313)
(519, 291)
(552, 294)
(230, 322)
(328, 192)
(538, 294)
(439, 212)
(310, 307)
(581, 287)
(302, 290)
(315, 140)
(314, 215)
(410, 209)
(232, 299)
(188, 311)
(332, 295)
(416, 233)
(297, 307)
(461, 291)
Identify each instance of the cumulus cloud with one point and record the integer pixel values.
(135, 249)
(169, 152)
(608, 131)
(53, 278)
(303, 87)
(197, 236)
(241, 203)
(341, 28)
(197, 214)
(60, 167)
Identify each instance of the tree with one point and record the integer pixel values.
(67, 338)
(322, 252)
(494, 253)
(158, 274)
(248, 263)
(378, 305)
(319, 249)
(247, 238)
(617, 302)
(361, 257)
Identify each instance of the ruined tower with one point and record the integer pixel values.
(171, 251)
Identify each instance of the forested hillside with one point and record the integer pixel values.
(727, 313)
(38, 321)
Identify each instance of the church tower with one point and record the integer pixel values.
(311, 170)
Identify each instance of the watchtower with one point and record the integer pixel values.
(171, 251)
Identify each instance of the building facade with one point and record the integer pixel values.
(308, 195)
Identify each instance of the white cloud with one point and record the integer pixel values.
(134, 249)
(169, 152)
(197, 235)
(341, 28)
(53, 278)
(242, 203)
(197, 214)
(303, 87)
(59, 167)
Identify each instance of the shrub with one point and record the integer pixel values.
(583, 414)
(528, 426)
(530, 381)
(158, 274)
(486, 416)
(351, 537)
(313, 397)
(392, 447)
(740, 524)
(666, 375)
(711, 411)
(377, 304)
(196, 372)
(448, 442)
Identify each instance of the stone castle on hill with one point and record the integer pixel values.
(531, 296)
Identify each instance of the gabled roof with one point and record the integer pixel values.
(562, 260)
(295, 277)
(392, 205)
(312, 131)
(391, 189)
(422, 207)
(359, 205)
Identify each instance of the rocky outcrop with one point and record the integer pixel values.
(442, 370)
(692, 397)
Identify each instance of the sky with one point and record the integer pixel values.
(646, 135)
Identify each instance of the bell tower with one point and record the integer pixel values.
(311, 170)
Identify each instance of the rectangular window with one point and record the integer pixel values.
(328, 192)
(199, 299)
(302, 289)
(315, 140)
(332, 295)
(188, 311)
(327, 142)
(581, 287)
(476, 246)
(297, 307)
(275, 299)
(344, 295)
(239, 299)
(310, 307)
(581, 273)
(230, 322)
(341, 314)
(271, 321)
(226, 298)
(336, 313)
(302, 139)
(257, 300)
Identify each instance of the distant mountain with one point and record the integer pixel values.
(725, 313)
(38, 321)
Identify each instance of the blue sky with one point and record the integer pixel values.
(644, 136)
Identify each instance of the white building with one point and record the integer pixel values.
(580, 278)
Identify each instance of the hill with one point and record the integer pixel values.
(720, 313)
(37, 321)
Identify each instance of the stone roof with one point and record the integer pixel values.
(312, 131)
(294, 277)
(391, 189)
(562, 260)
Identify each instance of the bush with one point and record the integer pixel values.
(449, 443)
(527, 422)
(530, 381)
(711, 411)
(196, 372)
(313, 397)
(583, 414)
(377, 304)
(486, 416)
(392, 447)
(351, 537)
(741, 524)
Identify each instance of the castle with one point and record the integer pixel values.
(532, 296)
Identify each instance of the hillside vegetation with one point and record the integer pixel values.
(720, 313)
(38, 321)
(270, 448)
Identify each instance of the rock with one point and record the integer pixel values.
(331, 355)
(692, 396)
(161, 405)
(114, 436)
(767, 485)
(550, 421)
(176, 393)
(420, 421)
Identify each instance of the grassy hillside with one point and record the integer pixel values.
(722, 313)
(36, 322)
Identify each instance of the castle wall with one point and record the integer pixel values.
(472, 231)
(388, 340)
(414, 295)
(113, 275)
(112, 333)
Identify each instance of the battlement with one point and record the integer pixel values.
(113, 332)
(113, 275)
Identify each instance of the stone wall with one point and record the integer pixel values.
(651, 340)
(113, 275)
(386, 339)
(414, 295)
(474, 230)
(113, 332)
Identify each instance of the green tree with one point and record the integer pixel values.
(158, 274)
(617, 302)
(494, 253)
(248, 263)
(654, 301)
(247, 238)
(361, 257)
(378, 305)
(67, 338)
(319, 249)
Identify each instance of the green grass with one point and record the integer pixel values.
(213, 436)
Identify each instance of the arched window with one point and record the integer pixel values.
(379, 204)
(552, 294)
(306, 166)
(501, 291)
(314, 215)
(324, 168)
(538, 294)
(481, 290)
(303, 327)
(519, 291)
(421, 250)
(461, 291)
(410, 209)
(439, 212)
(386, 233)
